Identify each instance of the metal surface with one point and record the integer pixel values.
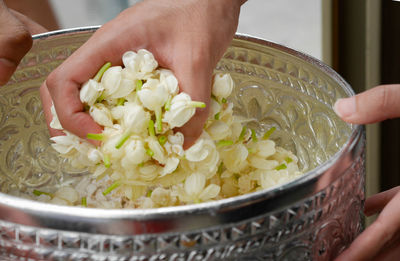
(314, 217)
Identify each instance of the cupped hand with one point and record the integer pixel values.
(15, 40)
(187, 37)
(381, 240)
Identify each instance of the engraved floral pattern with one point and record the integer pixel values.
(273, 89)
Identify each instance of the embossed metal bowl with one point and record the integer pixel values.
(314, 217)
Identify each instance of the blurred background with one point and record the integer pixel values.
(357, 38)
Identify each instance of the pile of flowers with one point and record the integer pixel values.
(141, 162)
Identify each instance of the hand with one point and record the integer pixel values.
(187, 37)
(381, 240)
(15, 40)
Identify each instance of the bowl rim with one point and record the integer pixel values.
(43, 209)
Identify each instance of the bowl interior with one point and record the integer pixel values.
(275, 87)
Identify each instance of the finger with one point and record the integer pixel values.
(32, 26)
(377, 104)
(15, 42)
(390, 254)
(377, 236)
(195, 80)
(377, 202)
(47, 103)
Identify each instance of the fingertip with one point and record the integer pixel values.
(345, 107)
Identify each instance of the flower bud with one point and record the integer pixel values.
(90, 92)
(180, 112)
(101, 114)
(153, 95)
(222, 86)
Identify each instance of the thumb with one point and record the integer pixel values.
(377, 104)
(15, 42)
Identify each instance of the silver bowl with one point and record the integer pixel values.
(312, 218)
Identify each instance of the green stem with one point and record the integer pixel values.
(197, 104)
(113, 186)
(139, 85)
(150, 152)
(162, 140)
(106, 161)
(151, 128)
(254, 135)
(84, 202)
(242, 133)
(158, 120)
(251, 150)
(121, 101)
(216, 116)
(95, 136)
(167, 105)
(268, 133)
(149, 193)
(282, 166)
(101, 98)
(288, 159)
(222, 143)
(123, 139)
(102, 70)
(38, 193)
(224, 100)
(220, 168)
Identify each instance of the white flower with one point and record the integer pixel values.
(170, 166)
(261, 163)
(264, 148)
(222, 86)
(90, 92)
(169, 80)
(163, 197)
(234, 157)
(95, 156)
(64, 144)
(175, 144)
(134, 117)
(153, 94)
(55, 122)
(135, 153)
(176, 139)
(219, 130)
(157, 149)
(215, 108)
(115, 85)
(142, 61)
(196, 190)
(101, 114)
(182, 109)
(108, 146)
(203, 155)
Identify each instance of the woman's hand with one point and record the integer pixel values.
(15, 40)
(381, 240)
(188, 37)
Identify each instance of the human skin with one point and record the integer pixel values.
(15, 40)
(188, 37)
(381, 240)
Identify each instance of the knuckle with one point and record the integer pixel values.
(384, 98)
(20, 38)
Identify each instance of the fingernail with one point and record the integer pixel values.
(345, 107)
(7, 68)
